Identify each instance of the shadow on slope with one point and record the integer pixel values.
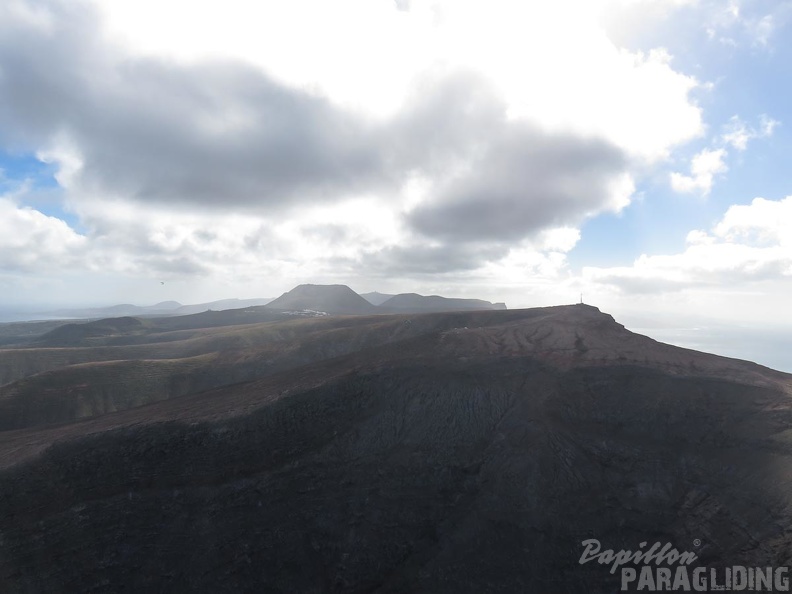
(65, 384)
(428, 474)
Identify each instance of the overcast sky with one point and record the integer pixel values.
(636, 151)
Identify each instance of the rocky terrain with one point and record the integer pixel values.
(424, 452)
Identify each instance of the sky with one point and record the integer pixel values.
(632, 151)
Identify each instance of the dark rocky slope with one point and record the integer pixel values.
(472, 457)
(55, 385)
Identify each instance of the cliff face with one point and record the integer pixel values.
(463, 453)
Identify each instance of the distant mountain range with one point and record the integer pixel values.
(68, 327)
(340, 299)
(165, 308)
(330, 299)
(435, 303)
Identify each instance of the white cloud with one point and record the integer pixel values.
(763, 29)
(703, 169)
(737, 133)
(31, 240)
(761, 223)
(560, 72)
(707, 164)
(751, 243)
(744, 22)
(312, 130)
(31, 14)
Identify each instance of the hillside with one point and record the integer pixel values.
(415, 302)
(70, 334)
(439, 452)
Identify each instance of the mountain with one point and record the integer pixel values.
(220, 305)
(415, 302)
(138, 331)
(445, 452)
(164, 308)
(16, 333)
(331, 299)
(340, 299)
(376, 298)
(304, 301)
(124, 309)
(71, 334)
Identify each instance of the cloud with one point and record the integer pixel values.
(226, 136)
(744, 23)
(707, 164)
(749, 244)
(203, 134)
(30, 240)
(421, 259)
(762, 223)
(520, 47)
(763, 29)
(703, 169)
(220, 134)
(203, 144)
(522, 182)
(737, 133)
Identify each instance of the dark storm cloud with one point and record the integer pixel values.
(430, 259)
(284, 145)
(506, 179)
(223, 134)
(523, 182)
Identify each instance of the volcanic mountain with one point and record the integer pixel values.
(440, 452)
(332, 299)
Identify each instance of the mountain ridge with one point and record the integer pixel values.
(163, 308)
(331, 299)
(465, 451)
(416, 302)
